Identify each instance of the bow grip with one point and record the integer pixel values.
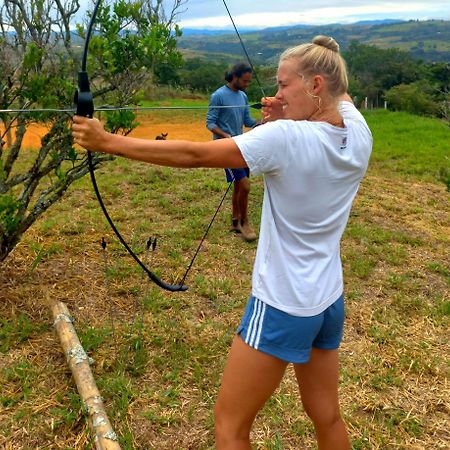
(83, 98)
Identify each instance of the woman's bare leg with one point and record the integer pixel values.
(318, 383)
(249, 379)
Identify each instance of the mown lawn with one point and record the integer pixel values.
(159, 356)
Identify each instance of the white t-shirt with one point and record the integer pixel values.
(312, 172)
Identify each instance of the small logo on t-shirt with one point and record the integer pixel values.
(344, 143)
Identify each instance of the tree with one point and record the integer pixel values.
(415, 98)
(206, 76)
(374, 70)
(438, 76)
(203, 75)
(39, 61)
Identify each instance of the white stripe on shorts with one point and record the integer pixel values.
(230, 173)
(253, 335)
(261, 320)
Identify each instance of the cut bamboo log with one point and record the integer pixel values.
(78, 361)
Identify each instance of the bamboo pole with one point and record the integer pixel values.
(105, 437)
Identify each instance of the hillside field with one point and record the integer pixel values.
(159, 356)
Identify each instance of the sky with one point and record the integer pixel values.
(270, 13)
(266, 13)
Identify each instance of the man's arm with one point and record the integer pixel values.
(212, 117)
(249, 122)
(219, 132)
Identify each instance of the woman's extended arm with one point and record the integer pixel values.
(90, 134)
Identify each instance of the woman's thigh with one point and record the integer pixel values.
(318, 382)
(249, 379)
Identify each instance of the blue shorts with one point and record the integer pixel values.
(288, 337)
(236, 174)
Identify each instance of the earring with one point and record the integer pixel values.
(319, 103)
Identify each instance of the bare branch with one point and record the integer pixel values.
(159, 14)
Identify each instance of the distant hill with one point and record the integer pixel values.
(427, 40)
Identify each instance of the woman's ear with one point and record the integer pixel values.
(317, 84)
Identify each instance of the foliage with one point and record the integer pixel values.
(39, 65)
(393, 75)
(130, 41)
(375, 70)
(203, 76)
(376, 62)
(267, 78)
(195, 75)
(414, 98)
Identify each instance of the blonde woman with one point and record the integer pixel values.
(313, 152)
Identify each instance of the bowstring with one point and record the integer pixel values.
(244, 48)
(258, 105)
(126, 108)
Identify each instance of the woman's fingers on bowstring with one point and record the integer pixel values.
(267, 107)
(272, 108)
(266, 102)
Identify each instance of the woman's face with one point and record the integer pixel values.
(293, 92)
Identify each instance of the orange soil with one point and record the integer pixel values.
(191, 131)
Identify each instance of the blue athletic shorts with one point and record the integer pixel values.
(288, 337)
(236, 174)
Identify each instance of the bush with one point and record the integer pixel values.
(412, 98)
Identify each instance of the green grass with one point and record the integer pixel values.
(18, 329)
(159, 356)
(409, 146)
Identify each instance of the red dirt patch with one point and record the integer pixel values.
(146, 130)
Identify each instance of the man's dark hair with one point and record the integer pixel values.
(238, 70)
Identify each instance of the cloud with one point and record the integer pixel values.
(212, 14)
(267, 13)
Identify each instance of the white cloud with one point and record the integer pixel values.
(318, 15)
(267, 13)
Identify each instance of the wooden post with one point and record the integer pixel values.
(105, 437)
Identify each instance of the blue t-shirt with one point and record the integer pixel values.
(230, 120)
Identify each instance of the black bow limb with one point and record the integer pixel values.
(84, 106)
(83, 99)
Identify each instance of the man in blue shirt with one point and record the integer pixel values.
(228, 122)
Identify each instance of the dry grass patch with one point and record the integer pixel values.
(159, 356)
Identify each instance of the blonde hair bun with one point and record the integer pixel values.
(327, 42)
(321, 56)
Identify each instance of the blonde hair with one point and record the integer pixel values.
(321, 57)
